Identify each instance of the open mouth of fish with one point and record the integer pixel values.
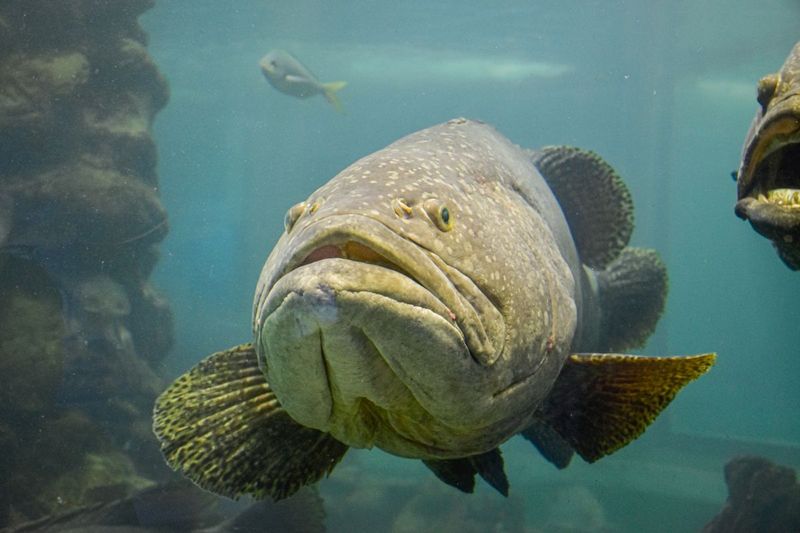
(769, 180)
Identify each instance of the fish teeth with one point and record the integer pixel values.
(782, 197)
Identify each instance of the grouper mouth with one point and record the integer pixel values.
(365, 240)
(769, 178)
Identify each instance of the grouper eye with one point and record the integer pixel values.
(766, 90)
(439, 213)
(292, 215)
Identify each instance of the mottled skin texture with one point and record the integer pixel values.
(768, 180)
(386, 323)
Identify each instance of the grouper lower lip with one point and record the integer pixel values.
(769, 186)
(330, 341)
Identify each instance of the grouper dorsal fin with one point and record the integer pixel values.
(601, 402)
(222, 426)
(594, 200)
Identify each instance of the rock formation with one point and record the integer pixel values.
(762, 496)
(81, 326)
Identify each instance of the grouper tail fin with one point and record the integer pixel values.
(330, 89)
(222, 426)
(632, 291)
(601, 402)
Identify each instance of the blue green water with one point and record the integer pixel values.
(663, 90)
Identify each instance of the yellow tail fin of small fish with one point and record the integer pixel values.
(330, 89)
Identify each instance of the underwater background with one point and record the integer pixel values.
(664, 91)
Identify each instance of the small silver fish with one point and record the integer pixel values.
(284, 72)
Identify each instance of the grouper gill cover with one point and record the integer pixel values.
(433, 300)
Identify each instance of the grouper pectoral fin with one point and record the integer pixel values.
(633, 292)
(594, 199)
(460, 473)
(601, 402)
(221, 425)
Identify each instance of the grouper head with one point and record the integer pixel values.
(768, 179)
(423, 300)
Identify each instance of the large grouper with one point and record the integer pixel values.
(435, 299)
(768, 179)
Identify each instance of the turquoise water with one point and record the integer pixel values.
(664, 91)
